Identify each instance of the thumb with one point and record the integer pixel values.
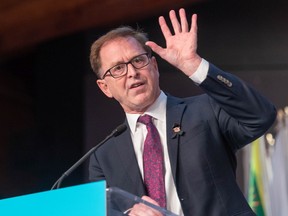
(148, 199)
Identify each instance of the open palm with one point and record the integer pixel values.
(181, 48)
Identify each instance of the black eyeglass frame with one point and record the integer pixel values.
(126, 64)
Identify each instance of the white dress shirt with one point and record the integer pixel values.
(138, 134)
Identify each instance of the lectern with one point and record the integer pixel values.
(92, 199)
(85, 200)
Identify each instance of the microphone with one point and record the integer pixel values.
(120, 129)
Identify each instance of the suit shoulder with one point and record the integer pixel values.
(202, 98)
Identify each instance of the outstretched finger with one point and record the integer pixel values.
(174, 21)
(164, 28)
(194, 24)
(155, 48)
(183, 19)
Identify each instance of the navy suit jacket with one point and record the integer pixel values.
(216, 124)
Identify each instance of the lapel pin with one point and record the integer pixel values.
(177, 130)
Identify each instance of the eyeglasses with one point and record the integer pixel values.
(121, 69)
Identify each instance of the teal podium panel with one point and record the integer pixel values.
(85, 200)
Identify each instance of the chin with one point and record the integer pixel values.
(141, 106)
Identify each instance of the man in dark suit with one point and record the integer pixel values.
(199, 135)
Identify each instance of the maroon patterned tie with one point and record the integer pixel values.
(153, 162)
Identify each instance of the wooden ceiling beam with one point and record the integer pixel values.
(25, 23)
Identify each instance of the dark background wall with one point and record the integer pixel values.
(52, 112)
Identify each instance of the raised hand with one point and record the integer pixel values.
(181, 48)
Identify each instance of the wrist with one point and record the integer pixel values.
(191, 66)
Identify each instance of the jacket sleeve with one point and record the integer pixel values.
(242, 112)
(95, 171)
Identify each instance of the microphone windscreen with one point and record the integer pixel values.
(120, 129)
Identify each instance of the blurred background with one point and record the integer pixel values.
(52, 112)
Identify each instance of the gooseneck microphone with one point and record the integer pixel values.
(120, 129)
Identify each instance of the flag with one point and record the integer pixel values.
(279, 180)
(258, 181)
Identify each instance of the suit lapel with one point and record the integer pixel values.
(175, 109)
(129, 161)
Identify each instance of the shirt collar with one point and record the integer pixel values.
(157, 110)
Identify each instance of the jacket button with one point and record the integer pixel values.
(219, 77)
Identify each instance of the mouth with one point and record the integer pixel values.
(136, 85)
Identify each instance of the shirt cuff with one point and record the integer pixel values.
(201, 73)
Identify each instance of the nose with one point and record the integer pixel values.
(132, 72)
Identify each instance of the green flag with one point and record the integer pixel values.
(256, 189)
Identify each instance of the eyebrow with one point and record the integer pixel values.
(121, 62)
(116, 63)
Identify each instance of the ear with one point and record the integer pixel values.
(154, 63)
(104, 87)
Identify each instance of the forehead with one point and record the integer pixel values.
(120, 49)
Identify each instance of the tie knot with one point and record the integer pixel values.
(145, 119)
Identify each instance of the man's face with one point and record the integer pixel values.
(139, 88)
